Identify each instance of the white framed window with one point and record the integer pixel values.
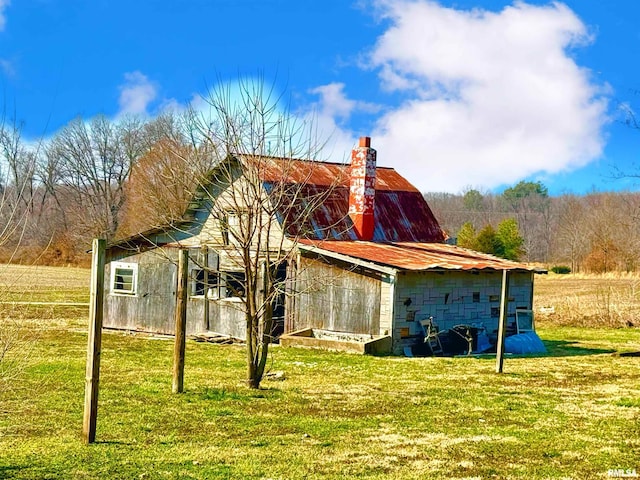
(124, 278)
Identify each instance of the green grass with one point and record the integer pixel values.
(574, 413)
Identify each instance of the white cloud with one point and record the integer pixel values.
(3, 17)
(136, 94)
(7, 67)
(333, 102)
(329, 117)
(491, 97)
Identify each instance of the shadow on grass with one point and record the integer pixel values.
(9, 471)
(567, 348)
(555, 348)
(112, 442)
(222, 394)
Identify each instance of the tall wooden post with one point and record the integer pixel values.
(181, 322)
(205, 267)
(502, 326)
(92, 377)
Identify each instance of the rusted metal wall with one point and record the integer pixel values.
(333, 298)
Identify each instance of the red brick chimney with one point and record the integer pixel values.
(363, 188)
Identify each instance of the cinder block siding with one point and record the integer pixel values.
(454, 298)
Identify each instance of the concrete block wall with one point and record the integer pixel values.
(454, 298)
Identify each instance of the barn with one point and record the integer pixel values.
(370, 264)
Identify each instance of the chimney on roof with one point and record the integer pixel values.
(363, 188)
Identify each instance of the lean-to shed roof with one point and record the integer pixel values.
(416, 256)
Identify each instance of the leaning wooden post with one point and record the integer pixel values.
(502, 326)
(181, 322)
(92, 377)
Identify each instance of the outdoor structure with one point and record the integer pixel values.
(370, 263)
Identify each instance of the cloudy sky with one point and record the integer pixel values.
(455, 94)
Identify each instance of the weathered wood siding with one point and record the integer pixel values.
(455, 298)
(332, 298)
(152, 308)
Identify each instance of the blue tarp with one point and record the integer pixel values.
(524, 343)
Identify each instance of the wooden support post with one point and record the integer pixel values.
(181, 322)
(205, 267)
(92, 377)
(502, 326)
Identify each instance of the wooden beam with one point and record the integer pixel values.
(502, 326)
(94, 344)
(181, 322)
(205, 266)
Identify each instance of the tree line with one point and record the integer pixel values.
(100, 178)
(596, 232)
(113, 178)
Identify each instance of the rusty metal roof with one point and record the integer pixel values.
(417, 256)
(400, 211)
(276, 169)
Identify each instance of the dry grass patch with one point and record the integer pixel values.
(607, 300)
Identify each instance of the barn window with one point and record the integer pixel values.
(235, 284)
(198, 282)
(234, 226)
(201, 283)
(124, 278)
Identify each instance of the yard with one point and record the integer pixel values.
(574, 413)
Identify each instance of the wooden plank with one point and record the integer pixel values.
(181, 322)
(94, 344)
(502, 326)
(205, 266)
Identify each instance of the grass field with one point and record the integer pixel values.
(574, 413)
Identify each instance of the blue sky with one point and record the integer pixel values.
(455, 94)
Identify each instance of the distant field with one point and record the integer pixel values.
(20, 283)
(574, 413)
(610, 300)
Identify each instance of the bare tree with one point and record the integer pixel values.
(262, 197)
(89, 164)
(164, 178)
(19, 190)
(570, 239)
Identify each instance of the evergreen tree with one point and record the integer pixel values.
(467, 236)
(510, 240)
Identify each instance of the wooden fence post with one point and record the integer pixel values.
(181, 322)
(92, 377)
(502, 326)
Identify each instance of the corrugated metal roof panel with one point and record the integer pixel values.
(419, 256)
(273, 170)
(401, 213)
